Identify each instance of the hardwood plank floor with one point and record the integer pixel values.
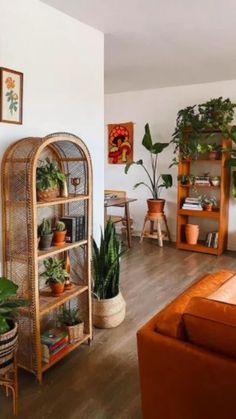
(101, 381)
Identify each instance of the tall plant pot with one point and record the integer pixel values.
(191, 233)
(8, 346)
(109, 313)
(45, 241)
(155, 206)
(59, 238)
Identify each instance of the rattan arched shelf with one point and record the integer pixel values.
(22, 261)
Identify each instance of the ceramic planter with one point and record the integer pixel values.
(45, 241)
(214, 155)
(8, 346)
(215, 181)
(57, 288)
(109, 313)
(208, 207)
(48, 194)
(191, 233)
(75, 332)
(155, 206)
(59, 238)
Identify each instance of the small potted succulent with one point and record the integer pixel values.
(9, 305)
(215, 180)
(214, 151)
(59, 234)
(49, 180)
(55, 274)
(71, 321)
(208, 203)
(45, 234)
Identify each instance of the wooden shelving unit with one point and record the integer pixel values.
(23, 262)
(220, 218)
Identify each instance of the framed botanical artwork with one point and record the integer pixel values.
(11, 96)
(120, 143)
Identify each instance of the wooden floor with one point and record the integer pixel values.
(101, 381)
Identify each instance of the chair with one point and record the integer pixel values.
(118, 218)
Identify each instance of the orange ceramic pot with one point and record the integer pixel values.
(208, 207)
(191, 233)
(57, 288)
(59, 238)
(155, 206)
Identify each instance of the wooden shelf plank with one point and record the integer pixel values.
(197, 248)
(54, 250)
(201, 161)
(199, 186)
(47, 302)
(203, 214)
(61, 200)
(70, 348)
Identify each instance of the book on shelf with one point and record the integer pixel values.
(202, 180)
(75, 226)
(53, 343)
(212, 239)
(52, 336)
(192, 204)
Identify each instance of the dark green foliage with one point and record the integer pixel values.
(106, 264)
(70, 317)
(8, 304)
(60, 226)
(54, 271)
(155, 182)
(48, 175)
(44, 228)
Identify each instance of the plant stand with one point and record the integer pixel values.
(155, 228)
(9, 381)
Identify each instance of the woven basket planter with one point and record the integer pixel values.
(109, 313)
(8, 346)
(75, 332)
(48, 194)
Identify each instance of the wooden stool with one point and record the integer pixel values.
(155, 231)
(9, 381)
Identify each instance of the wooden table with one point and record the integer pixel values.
(121, 202)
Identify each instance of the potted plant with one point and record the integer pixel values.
(9, 305)
(215, 180)
(108, 304)
(214, 151)
(155, 183)
(71, 321)
(191, 233)
(49, 179)
(208, 203)
(55, 274)
(45, 234)
(59, 234)
(217, 113)
(186, 179)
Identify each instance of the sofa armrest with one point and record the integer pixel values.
(183, 381)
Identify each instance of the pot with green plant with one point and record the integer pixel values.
(55, 275)
(186, 179)
(59, 234)
(217, 113)
(9, 305)
(109, 306)
(49, 180)
(45, 234)
(71, 321)
(155, 182)
(209, 203)
(214, 151)
(215, 180)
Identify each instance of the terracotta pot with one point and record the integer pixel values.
(8, 346)
(208, 207)
(48, 194)
(191, 233)
(109, 313)
(59, 238)
(45, 241)
(57, 288)
(214, 155)
(155, 206)
(75, 332)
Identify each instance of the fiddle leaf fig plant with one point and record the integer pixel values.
(155, 182)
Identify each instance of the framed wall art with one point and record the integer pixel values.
(11, 96)
(120, 143)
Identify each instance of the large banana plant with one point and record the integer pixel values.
(155, 182)
(106, 264)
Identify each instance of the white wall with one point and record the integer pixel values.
(62, 62)
(159, 107)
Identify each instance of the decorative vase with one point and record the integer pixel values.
(68, 283)
(155, 206)
(59, 238)
(109, 313)
(48, 194)
(191, 233)
(45, 241)
(8, 346)
(57, 288)
(75, 332)
(64, 189)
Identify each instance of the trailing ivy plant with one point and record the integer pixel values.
(48, 175)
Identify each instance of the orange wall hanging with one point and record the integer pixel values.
(120, 143)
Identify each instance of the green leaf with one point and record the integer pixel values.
(233, 133)
(7, 289)
(168, 181)
(128, 165)
(159, 147)
(4, 326)
(147, 139)
(230, 162)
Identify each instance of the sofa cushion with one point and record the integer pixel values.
(211, 324)
(170, 320)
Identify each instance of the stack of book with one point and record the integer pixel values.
(192, 204)
(202, 180)
(54, 343)
(212, 239)
(75, 228)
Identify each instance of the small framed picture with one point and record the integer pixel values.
(11, 96)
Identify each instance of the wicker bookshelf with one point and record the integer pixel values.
(22, 261)
(218, 218)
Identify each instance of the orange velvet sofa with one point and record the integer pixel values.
(187, 353)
